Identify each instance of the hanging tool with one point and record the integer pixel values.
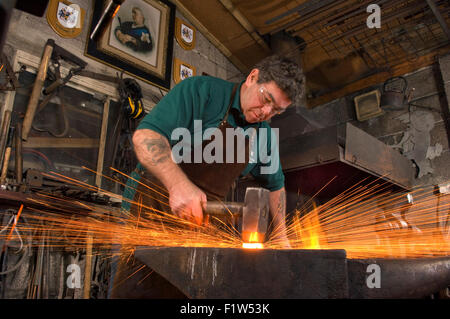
(131, 98)
(54, 52)
(7, 156)
(105, 20)
(37, 87)
(53, 89)
(58, 54)
(395, 99)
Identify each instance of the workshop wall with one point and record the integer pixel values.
(29, 33)
(419, 133)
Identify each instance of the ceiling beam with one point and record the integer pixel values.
(439, 17)
(225, 40)
(245, 23)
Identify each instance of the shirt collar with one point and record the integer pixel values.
(236, 109)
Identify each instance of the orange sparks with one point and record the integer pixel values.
(16, 219)
(115, 11)
(367, 221)
(370, 222)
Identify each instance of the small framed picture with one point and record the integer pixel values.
(182, 70)
(185, 34)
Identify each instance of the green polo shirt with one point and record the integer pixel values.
(206, 98)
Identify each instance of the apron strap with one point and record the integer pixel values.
(233, 94)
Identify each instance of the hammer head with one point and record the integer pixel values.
(255, 215)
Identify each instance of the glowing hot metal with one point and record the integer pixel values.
(254, 241)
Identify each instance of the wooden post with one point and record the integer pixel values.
(7, 156)
(88, 268)
(101, 147)
(4, 132)
(18, 157)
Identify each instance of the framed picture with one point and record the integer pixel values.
(185, 34)
(182, 70)
(138, 41)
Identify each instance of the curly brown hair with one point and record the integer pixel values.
(287, 74)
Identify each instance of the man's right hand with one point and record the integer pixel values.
(187, 201)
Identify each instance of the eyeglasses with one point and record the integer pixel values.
(266, 99)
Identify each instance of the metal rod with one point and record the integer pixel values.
(18, 157)
(106, 18)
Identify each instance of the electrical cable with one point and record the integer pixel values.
(19, 263)
(15, 230)
(24, 248)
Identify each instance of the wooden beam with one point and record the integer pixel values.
(439, 17)
(401, 69)
(101, 148)
(228, 4)
(54, 142)
(88, 268)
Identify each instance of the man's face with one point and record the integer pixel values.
(261, 101)
(137, 16)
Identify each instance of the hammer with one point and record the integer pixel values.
(254, 213)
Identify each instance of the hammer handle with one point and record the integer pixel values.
(223, 208)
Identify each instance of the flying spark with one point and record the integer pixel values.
(368, 221)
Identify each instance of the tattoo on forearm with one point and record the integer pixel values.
(158, 150)
(282, 202)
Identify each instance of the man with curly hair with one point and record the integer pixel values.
(270, 88)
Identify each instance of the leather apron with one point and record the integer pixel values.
(215, 179)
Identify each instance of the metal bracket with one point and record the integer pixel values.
(13, 83)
